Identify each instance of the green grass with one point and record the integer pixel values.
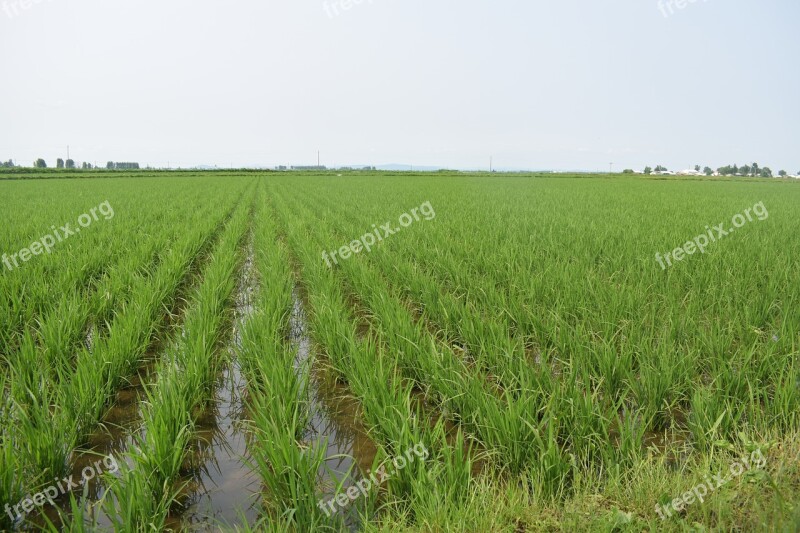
(526, 335)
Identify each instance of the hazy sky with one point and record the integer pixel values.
(561, 84)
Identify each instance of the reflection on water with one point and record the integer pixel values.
(336, 422)
(220, 488)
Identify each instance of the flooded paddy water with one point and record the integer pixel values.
(220, 489)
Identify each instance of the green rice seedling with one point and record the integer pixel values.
(628, 447)
(11, 469)
(710, 418)
(131, 504)
(279, 395)
(79, 399)
(85, 393)
(282, 396)
(127, 342)
(530, 313)
(59, 336)
(74, 519)
(448, 469)
(289, 471)
(62, 331)
(585, 422)
(183, 386)
(786, 399)
(657, 388)
(386, 401)
(168, 425)
(566, 302)
(41, 444)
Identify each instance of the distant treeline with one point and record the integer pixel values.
(752, 171)
(70, 164)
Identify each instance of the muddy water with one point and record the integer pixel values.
(223, 490)
(121, 423)
(116, 432)
(113, 438)
(336, 422)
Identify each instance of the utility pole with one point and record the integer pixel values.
(491, 160)
(67, 152)
(318, 165)
(611, 168)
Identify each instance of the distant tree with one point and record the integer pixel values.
(70, 163)
(765, 172)
(746, 170)
(59, 163)
(659, 168)
(648, 170)
(697, 168)
(754, 170)
(782, 173)
(126, 166)
(40, 163)
(707, 171)
(628, 171)
(735, 170)
(110, 165)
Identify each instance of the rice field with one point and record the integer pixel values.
(399, 352)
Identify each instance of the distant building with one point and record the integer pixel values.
(312, 167)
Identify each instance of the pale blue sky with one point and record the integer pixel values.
(566, 84)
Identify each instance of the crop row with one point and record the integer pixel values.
(53, 409)
(77, 266)
(148, 486)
